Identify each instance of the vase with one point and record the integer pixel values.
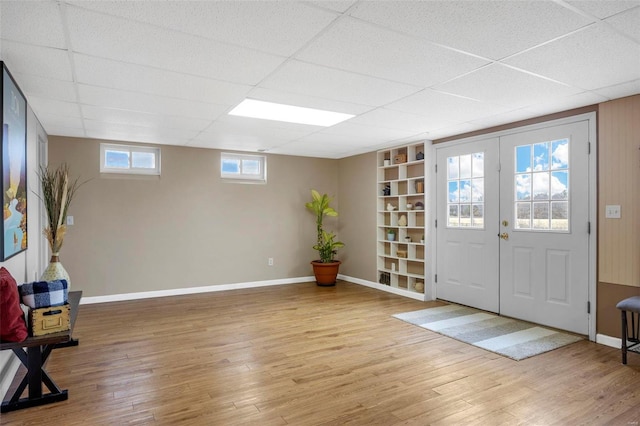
(55, 271)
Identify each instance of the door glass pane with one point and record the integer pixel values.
(452, 220)
(542, 197)
(541, 186)
(477, 190)
(541, 156)
(523, 215)
(465, 191)
(523, 187)
(465, 166)
(560, 154)
(541, 215)
(523, 158)
(454, 195)
(477, 216)
(452, 168)
(465, 215)
(465, 194)
(477, 164)
(560, 215)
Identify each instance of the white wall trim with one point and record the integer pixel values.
(190, 290)
(614, 342)
(388, 289)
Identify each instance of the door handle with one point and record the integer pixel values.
(504, 236)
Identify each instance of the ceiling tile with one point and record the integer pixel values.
(627, 22)
(56, 130)
(394, 119)
(132, 134)
(120, 116)
(620, 90)
(261, 134)
(32, 22)
(45, 106)
(491, 29)
(288, 98)
(275, 27)
(501, 85)
(336, 5)
(43, 87)
(49, 121)
(598, 56)
(437, 107)
(128, 41)
(314, 80)
(137, 78)
(367, 133)
(387, 55)
(564, 104)
(603, 9)
(119, 99)
(35, 60)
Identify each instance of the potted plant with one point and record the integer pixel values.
(57, 193)
(326, 268)
(391, 234)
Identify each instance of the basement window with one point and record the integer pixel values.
(243, 168)
(125, 159)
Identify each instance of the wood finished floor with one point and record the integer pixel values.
(304, 355)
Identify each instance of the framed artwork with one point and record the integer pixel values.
(14, 168)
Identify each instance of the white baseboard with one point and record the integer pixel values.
(614, 342)
(190, 290)
(388, 289)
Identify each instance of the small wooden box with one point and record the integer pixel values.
(400, 158)
(401, 253)
(49, 320)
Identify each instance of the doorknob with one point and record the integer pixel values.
(504, 236)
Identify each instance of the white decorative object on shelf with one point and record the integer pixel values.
(390, 207)
(402, 221)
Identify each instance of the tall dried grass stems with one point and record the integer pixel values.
(57, 193)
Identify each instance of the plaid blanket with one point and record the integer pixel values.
(42, 294)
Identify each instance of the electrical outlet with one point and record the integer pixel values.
(612, 212)
(270, 261)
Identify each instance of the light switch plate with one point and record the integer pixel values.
(69, 220)
(612, 212)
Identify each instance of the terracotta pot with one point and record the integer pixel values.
(326, 273)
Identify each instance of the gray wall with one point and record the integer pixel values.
(188, 228)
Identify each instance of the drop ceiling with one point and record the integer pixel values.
(168, 72)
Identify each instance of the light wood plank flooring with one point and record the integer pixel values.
(304, 355)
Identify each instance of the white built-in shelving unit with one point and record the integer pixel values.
(402, 206)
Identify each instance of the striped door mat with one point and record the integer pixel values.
(505, 336)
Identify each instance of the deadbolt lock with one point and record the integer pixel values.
(505, 223)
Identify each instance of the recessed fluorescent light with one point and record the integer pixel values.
(288, 113)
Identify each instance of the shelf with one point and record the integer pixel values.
(400, 184)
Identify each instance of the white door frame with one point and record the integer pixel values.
(593, 197)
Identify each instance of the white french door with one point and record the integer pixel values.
(467, 224)
(544, 214)
(518, 244)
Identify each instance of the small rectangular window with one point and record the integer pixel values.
(129, 159)
(243, 167)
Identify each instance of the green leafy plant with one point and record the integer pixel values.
(391, 231)
(57, 193)
(326, 245)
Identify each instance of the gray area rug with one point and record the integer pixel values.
(505, 336)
